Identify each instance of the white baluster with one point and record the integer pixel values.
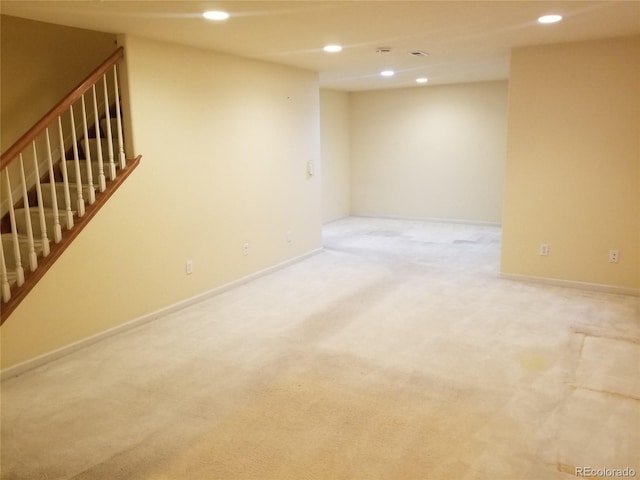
(33, 257)
(57, 231)
(76, 164)
(43, 222)
(90, 187)
(14, 234)
(121, 156)
(65, 178)
(112, 165)
(4, 278)
(102, 183)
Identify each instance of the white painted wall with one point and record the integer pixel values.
(225, 144)
(573, 166)
(335, 146)
(429, 152)
(31, 51)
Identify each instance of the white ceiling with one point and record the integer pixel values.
(466, 40)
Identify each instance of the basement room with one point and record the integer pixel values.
(319, 239)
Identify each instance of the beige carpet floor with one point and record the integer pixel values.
(396, 353)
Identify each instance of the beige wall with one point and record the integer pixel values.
(573, 168)
(429, 152)
(225, 144)
(31, 52)
(336, 166)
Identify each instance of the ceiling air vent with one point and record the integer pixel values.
(418, 53)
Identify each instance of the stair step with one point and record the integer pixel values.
(23, 242)
(92, 144)
(21, 222)
(114, 127)
(47, 198)
(71, 171)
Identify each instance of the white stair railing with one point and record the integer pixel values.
(121, 156)
(41, 212)
(4, 277)
(57, 229)
(91, 189)
(65, 178)
(112, 164)
(76, 165)
(15, 241)
(102, 183)
(31, 252)
(35, 210)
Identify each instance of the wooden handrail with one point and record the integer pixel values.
(63, 105)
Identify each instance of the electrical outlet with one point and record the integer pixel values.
(544, 249)
(189, 267)
(613, 256)
(245, 249)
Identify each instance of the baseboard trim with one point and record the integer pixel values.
(478, 223)
(40, 360)
(337, 219)
(596, 287)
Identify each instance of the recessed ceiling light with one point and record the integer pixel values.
(550, 18)
(215, 15)
(422, 80)
(332, 48)
(387, 73)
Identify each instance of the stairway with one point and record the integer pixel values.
(54, 194)
(57, 176)
(18, 282)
